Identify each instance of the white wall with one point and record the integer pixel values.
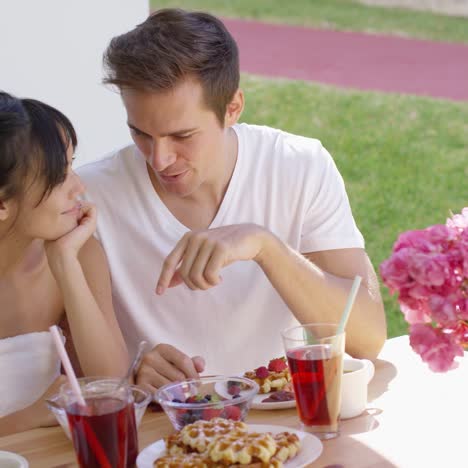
(52, 50)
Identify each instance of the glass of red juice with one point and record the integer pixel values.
(104, 432)
(315, 357)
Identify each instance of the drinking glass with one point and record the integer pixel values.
(315, 356)
(104, 431)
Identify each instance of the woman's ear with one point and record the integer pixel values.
(234, 109)
(5, 210)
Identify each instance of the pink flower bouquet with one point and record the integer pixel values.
(429, 270)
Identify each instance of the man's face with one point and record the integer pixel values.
(181, 138)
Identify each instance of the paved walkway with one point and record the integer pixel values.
(353, 60)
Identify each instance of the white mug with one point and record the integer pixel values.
(357, 373)
(12, 460)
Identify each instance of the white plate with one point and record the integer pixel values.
(311, 447)
(257, 400)
(13, 460)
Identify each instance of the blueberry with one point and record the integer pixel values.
(181, 420)
(196, 413)
(236, 396)
(176, 400)
(208, 397)
(204, 400)
(193, 418)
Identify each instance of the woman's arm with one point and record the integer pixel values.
(79, 266)
(33, 416)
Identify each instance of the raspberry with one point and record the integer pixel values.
(262, 372)
(277, 365)
(234, 389)
(232, 412)
(210, 413)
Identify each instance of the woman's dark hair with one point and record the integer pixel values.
(34, 138)
(173, 45)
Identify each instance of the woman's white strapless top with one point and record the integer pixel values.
(29, 364)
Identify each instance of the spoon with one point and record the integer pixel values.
(134, 365)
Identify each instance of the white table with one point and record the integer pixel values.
(415, 419)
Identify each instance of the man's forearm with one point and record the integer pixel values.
(314, 295)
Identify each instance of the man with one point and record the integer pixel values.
(219, 235)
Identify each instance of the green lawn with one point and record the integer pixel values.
(403, 158)
(343, 15)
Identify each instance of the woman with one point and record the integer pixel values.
(46, 249)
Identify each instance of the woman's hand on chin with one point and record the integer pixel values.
(66, 248)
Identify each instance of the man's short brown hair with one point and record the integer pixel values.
(173, 45)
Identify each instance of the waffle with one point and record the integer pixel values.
(287, 446)
(199, 435)
(273, 382)
(222, 443)
(192, 460)
(242, 448)
(176, 446)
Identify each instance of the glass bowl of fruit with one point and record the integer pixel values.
(206, 398)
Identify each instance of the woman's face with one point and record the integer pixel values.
(57, 214)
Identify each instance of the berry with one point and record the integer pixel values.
(176, 400)
(210, 413)
(181, 417)
(236, 396)
(191, 418)
(277, 365)
(208, 397)
(262, 372)
(192, 399)
(232, 412)
(234, 389)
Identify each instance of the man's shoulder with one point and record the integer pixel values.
(284, 142)
(278, 147)
(107, 166)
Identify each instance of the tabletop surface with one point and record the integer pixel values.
(414, 418)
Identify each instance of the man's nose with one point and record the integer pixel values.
(162, 155)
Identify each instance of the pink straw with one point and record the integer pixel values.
(67, 365)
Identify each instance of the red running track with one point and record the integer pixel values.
(353, 60)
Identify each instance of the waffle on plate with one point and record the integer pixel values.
(222, 443)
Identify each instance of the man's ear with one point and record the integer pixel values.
(234, 109)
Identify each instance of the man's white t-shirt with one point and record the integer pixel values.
(286, 183)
